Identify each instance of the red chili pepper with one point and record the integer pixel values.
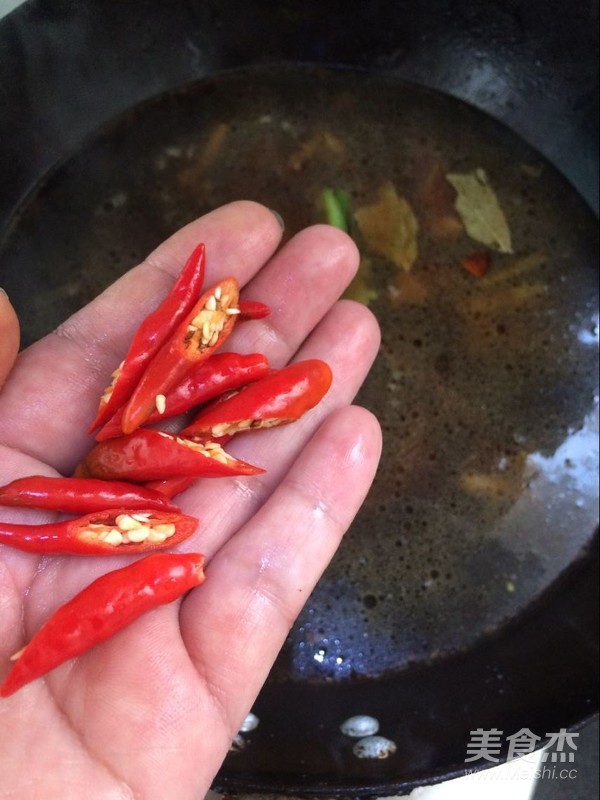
(148, 455)
(253, 309)
(102, 533)
(280, 397)
(151, 334)
(196, 337)
(80, 495)
(171, 486)
(208, 379)
(107, 605)
(477, 264)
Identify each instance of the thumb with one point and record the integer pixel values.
(9, 336)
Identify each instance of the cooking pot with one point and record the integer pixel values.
(69, 68)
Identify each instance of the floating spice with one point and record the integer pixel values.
(408, 290)
(323, 142)
(437, 199)
(362, 287)
(517, 269)
(476, 264)
(336, 203)
(390, 227)
(479, 209)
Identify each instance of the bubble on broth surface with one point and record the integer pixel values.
(374, 747)
(250, 723)
(359, 726)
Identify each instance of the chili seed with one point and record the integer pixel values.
(138, 534)
(126, 523)
(114, 537)
(166, 528)
(199, 319)
(155, 536)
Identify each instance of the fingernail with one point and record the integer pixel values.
(3, 291)
(279, 218)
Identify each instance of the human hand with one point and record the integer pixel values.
(9, 336)
(156, 706)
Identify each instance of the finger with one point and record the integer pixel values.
(257, 583)
(9, 336)
(53, 392)
(348, 339)
(300, 284)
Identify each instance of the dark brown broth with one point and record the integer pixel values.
(486, 389)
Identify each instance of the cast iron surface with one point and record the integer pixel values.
(540, 669)
(532, 66)
(69, 66)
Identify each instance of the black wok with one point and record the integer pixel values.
(67, 69)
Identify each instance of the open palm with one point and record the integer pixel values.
(151, 712)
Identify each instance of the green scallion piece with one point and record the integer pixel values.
(337, 208)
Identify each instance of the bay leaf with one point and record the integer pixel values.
(480, 211)
(390, 227)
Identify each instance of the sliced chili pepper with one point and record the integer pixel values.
(196, 337)
(280, 397)
(102, 533)
(253, 309)
(148, 455)
(151, 334)
(220, 373)
(105, 607)
(80, 495)
(171, 486)
(477, 264)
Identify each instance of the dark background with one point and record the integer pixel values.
(70, 66)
